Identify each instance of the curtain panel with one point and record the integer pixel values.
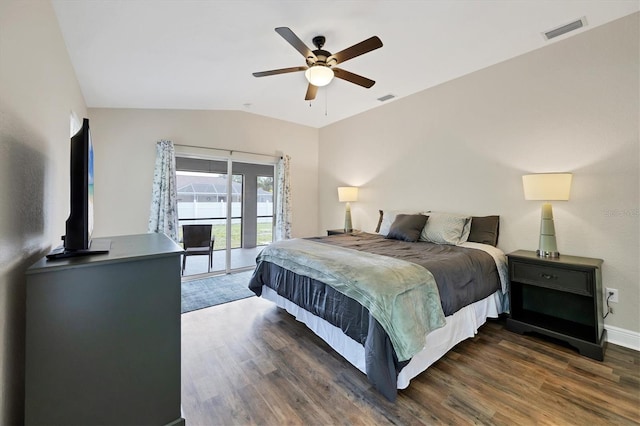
(163, 216)
(283, 207)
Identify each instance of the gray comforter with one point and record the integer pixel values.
(463, 275)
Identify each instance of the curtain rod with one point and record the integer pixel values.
(230, 151)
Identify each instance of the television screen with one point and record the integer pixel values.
(79, 225)
(90, 191)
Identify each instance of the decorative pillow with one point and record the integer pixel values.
(446, 228)
(407, 227)
(485, 230)
(387, 220)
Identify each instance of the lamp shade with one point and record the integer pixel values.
(547, 186)
(347, 193)
(319, 75)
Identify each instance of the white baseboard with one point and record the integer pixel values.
(622, 337)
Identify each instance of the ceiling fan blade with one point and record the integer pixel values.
(280, 71)
(353, 78)
(361, 48)
(295, 41)
(311, 92)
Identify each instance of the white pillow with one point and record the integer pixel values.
(446, 228)
(388, 217)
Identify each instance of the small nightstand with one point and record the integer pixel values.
(561, 298)
(339, 231)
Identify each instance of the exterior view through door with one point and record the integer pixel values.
(240, 210)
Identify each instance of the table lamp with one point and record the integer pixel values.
(346, 194)
(547, 187)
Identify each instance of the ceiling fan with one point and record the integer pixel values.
(320, 68)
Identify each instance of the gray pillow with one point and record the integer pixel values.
(407, 227)
(387, 218)
(485, 230)
(446, 228)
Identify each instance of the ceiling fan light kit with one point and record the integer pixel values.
(319, 75)
(320, 63)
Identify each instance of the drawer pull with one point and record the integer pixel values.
(548, 277)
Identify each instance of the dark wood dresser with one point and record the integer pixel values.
(560, 298)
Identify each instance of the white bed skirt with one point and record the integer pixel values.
(460, 326)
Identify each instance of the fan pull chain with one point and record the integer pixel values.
(326, 103)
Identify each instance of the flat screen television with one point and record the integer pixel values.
(77, 240)
(79, 225)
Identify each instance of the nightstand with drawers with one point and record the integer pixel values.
(560, 298)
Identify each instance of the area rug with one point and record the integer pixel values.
(211, 291)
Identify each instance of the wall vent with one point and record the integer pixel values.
(571, 26)
(386, 97)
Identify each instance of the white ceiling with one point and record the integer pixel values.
(199, 54)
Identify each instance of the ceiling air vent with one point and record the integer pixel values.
(386, 97)
(548, 35)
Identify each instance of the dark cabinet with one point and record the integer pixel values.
(561, 298)
(103, 336)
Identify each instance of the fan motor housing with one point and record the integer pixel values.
(322, 58)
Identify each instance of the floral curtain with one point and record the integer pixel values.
(283, 208)
(163, 217)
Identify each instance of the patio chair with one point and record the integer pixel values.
(197, 240)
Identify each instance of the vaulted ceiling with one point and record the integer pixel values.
(200, 54)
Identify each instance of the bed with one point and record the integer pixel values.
(395, 301)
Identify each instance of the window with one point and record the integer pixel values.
(202, 199)
(264, 197)
(223, 192)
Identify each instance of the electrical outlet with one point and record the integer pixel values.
(613, 292)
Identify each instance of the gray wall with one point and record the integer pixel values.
(124, 145)
(38, 91)
(464, 145)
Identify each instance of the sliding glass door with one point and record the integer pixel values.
(265, 210)
(236, 198)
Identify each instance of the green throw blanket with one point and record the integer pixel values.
(401, 295)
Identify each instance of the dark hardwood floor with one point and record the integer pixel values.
(248, 362)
